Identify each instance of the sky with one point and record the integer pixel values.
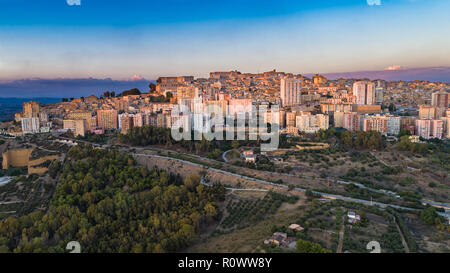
(118, 39)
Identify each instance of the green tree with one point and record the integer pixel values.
(304, 246)
(430, 216)
(192, 181)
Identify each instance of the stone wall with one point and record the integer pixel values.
(16, 158)
(41, 160)
(21, 158)
(39, 170)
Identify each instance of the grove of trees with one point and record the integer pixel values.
(107, 203)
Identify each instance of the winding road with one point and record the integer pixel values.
(4, 180)
(325, 195)
(224, 156)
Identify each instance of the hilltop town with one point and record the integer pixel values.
(357, 160)
(307, 105)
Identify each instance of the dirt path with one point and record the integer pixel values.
(405, 245)
(341, 239)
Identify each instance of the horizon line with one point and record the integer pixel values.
(400, 69)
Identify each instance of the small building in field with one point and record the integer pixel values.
(296, 227)
(276, 239)
(246, 153)
(250, 158)
(353, 217)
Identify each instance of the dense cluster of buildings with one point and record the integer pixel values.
(306, 105)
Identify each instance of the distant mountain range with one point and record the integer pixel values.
(67, 88)
(395, 73)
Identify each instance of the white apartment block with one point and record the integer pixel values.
(393, 125)
(290, 91)
(429, 128)
(364, 93)
(312, 123)
(30, 125)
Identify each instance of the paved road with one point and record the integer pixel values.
(436, 204)
(224, 156)
(291, 175)
(329, 196)
(361, 186)
(11, 202)
(42, 148)
(390, 193)
(325, 195)
(4, 180)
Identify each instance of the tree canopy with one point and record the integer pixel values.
(107, 203)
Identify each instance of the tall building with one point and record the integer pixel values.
(446, 123)
(138, 120)
(30, 125)
(379, 95)
(437, 128)
(164, 120)
(43, 117)
(427, 112)
(281, 118)
(236, 106)
(440, 99)
(92, 122)
(107, 119)
(302, 121)
(83, 115)
(364, 92)
(31, 109)
(393, 125)
(408, 123)
(290, 92)
(322, 121)
(429, 128)
(374, 123)
(312, 123)
(338, 119)
(77, 126)
(351, 121)
(290, 119)
(217, 106)
(187, 92)
(126, 122)
(319, 79)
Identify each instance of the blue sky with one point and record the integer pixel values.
(117, 39)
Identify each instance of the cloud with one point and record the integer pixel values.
(374, 2)
(394, 67)
(73, 2)
(136, 78)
